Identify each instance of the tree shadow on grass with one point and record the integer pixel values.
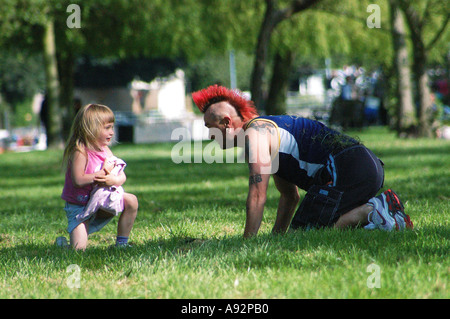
(313, 249)
(387, 152)
(308, 248)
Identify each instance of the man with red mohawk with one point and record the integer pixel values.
(341, 176)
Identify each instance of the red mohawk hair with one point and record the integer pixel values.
(214, 94)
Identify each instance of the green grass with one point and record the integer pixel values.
(180, 202)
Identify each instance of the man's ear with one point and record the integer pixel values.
(226, 121)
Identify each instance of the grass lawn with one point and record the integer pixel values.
(187, 239)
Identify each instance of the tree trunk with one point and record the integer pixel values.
(406, 119)
(415, 25)
(66, 68)
(276, 101)
(262, 48)
(272, 18)
(424, 94)
(52, 86)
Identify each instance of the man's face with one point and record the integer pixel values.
(219, 126)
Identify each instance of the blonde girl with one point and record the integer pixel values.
(85, 153)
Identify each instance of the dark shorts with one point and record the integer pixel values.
(350, 179)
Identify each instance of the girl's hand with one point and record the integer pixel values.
(102, 179)
(108, 165)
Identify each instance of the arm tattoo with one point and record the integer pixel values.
(254, 179)
(263, 127)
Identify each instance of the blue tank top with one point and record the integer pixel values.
(305, 147)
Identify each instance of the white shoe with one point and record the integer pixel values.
(388, 212)
(381, 217)
(370, 225)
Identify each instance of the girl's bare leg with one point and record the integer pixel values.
(79, 236)
(126, 219)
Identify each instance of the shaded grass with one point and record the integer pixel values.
(187, 238)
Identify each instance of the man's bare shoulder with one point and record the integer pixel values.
(261, 143)
(260, 128)
(262, 125)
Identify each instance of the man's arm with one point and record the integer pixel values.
(289, 199)
(255, 202)
(257, 150)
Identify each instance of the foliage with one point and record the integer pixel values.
(21, 75)
(191, 28)
(215, 68)
(199, 31)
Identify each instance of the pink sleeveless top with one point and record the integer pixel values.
(80, 196)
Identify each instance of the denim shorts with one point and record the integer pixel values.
(94, 224)
(355, 176)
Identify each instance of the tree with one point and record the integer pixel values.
(272, 17)
(406, 119)
(54, 138)
(282, 65)
(30, 26)
(328, 30)
(109, 28)
(364, 44)
(434, 12)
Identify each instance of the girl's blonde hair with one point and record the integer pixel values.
(86, 128)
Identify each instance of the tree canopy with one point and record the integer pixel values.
(200, 29)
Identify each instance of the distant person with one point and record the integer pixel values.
(347, 89)
(341, 176)
(44, 114)
(86, 156)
